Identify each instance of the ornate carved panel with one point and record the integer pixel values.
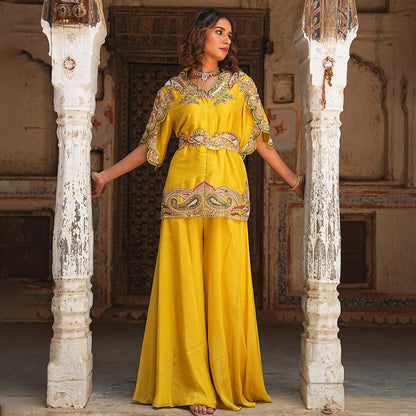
(145, 185)
(145, 43)
(25, 246)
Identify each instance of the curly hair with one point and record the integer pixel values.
(191, 50)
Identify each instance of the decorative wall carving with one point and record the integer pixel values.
(152, 31)
(25, 245)
(366, 203)
(145, 185)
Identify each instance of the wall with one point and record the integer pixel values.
(377, 165)
(377, 162)
(28, 145)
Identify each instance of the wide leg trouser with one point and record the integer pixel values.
(201, 342)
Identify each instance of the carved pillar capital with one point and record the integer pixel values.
(75, 31)
(328, 20)
(323, 39)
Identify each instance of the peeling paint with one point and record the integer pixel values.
(322, 374)
(73, 240)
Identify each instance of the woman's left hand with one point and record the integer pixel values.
(275, 162)
(299, 187)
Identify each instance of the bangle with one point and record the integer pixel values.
(297, 183)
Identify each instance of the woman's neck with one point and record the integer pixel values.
(208, 65)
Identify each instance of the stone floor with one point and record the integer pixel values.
(379, 363)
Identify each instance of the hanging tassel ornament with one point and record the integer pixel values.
(328, 65)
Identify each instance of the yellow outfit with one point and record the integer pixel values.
(201, 342)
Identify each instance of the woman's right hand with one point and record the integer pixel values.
(134, 159)
(97, 184)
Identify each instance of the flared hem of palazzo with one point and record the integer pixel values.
(180, 403)
(218, 405)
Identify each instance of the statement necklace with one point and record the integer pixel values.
(205, 75)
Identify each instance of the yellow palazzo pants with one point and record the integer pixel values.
(201, 342)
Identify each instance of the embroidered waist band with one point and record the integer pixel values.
(222, 140)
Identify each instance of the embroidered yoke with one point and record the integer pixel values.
(216, 130)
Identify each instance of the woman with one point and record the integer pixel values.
(200, 347)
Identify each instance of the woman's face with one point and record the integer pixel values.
(218, 40)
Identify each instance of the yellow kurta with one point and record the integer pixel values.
(201, 343)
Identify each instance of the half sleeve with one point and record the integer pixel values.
(254, 117)
(159, 128)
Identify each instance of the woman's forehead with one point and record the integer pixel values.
(224, 23)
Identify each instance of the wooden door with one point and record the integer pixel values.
(144, 42)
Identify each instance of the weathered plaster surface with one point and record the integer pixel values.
(398, 262)
(74, 50)
(376, 124)
(382, 303)
(378, 134)
(28, 135)
(364, 128)
(324, 54)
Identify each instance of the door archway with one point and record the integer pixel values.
(145, 41)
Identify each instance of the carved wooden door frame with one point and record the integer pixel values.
(151, 35)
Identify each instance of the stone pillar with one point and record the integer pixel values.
(75, 31)
(323, 40)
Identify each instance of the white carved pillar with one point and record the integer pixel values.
(75, 31)
(323, 41)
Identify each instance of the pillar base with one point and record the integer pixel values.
(319, 395)
(70, 373)
(69, 393)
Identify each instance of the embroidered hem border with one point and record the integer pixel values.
(206, 201)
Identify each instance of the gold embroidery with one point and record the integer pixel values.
(206, 201)
(261, 124)
(235, 78)
(160, 108)
(193, 95)
(222, 140)
(220, 89)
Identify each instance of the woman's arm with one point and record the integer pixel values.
(273, 159)
(133, 160)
